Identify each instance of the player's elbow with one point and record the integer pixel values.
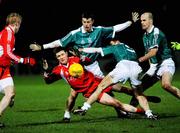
(48, 81)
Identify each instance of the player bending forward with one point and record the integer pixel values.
(86, 84)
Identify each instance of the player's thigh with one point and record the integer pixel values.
(166, 78)
(73, 93)
(9, 91)
(7, 85)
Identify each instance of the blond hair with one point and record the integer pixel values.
(13, 18)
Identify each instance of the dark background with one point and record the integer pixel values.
(45, 21)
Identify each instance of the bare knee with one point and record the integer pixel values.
(166, 86)
(9, 93)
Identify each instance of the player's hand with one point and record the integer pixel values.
(141, 59)
(80, 49)
(45, 64)
(135, 16)
(29, 60)
(35, 47)
(74, 52)
(175, 45)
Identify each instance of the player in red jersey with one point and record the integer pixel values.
(85, 36)
(7, 42)
(85, 84)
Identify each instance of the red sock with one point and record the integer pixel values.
(139, 110)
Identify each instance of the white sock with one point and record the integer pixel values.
(148, 113)
(123, 112)
(67, 114)
(86, 106)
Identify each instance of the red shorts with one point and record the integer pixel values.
(89, 92)
(4, 72)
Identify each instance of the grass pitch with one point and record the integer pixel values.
(39, 108)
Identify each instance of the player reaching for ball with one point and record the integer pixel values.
(86, 83)
(85, 36)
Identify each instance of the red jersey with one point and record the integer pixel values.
(85, 84)
(7, 41)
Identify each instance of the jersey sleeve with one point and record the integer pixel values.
(56, 70)
(107, 32)
(67, 40)
(107, 50)
(8, 45)
(53, 76)
(156, 39)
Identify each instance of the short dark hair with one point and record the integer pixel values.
(58, 49)
(88, 15)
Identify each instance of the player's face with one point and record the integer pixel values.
(17, 26)
(146, 23)
(62, 57)
(87, 24)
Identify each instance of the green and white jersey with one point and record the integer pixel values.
(80, 39)
(157, 39)
(121, 52)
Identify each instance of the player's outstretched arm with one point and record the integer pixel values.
(38, 47)
(122, 26)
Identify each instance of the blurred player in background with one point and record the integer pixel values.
(7, 42)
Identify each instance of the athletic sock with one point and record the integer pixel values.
(67, 114)
(86, 106)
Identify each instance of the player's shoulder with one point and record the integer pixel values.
(76, 31)
(159, 32)
(102, 28)
(5, 31)
(97, 27)
(57, 68)
(156, 30)
(74, 59)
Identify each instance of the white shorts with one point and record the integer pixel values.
(125, 70)
(166, 66)
(6, 82)
(95, 69)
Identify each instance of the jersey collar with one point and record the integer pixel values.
(150, 29)
(9, 27)
(83, 30)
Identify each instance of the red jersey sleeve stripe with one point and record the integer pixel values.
(11, 55)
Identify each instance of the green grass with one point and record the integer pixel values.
(39, 108)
